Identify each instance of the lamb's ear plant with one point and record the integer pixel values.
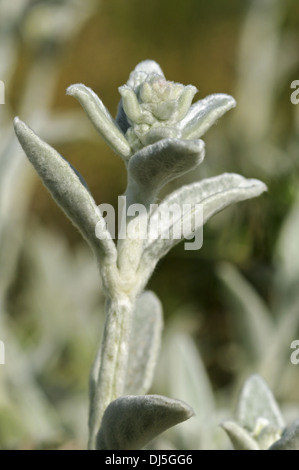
(157, 133)
(259, 424)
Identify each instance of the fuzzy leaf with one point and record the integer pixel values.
(289, 439)
(273, 362)
(181, 372)
(131, 422)
(214, 194)
(145, 343)
(65, 187)
(101, 118)
(203, 114)
(139, 74)
(252, 317)
(240, 438)
(257, 401)
(186, 374)
(287, 250)
(147, 67)
(155, 165)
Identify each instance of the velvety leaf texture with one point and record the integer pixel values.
(65, 187)
(131, 422)
(240, 438)
(257, 401)
(145, 343)
(214, 194)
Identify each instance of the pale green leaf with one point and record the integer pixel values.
(145, 340)
(131, 422)
(203, 114)
(100, 118)
(210, 196)
(286, 251)
(155, 165)
(252, 318)
(181, 373)
(240, 438)
(66, 188)
(257, 401)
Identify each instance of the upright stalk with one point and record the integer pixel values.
(109, 371)
(113, 361)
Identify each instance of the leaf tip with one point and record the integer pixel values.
(21, 130)
(18, 124)
(260, 185)
(72, 90)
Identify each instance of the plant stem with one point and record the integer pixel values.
(110, 366)
(113, 361)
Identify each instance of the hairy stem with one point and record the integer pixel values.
(113, 362)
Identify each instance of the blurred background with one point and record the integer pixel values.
(230, 308)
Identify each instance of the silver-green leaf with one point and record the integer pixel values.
(286, 251)
(257, 401)
(210, 195)
(252, 318)
(101, 118)
(203, 114)
(131, 422)
(66, 188)
(155, 165)
(145, 340)
(240, 438)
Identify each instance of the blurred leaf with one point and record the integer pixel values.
(257, 401)
(187, 375)
(289, 439)
(252, 318)
(182, 373)
(240, 438)
(267, 436)
(286, 251)
(273, 363)
(145, 343)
